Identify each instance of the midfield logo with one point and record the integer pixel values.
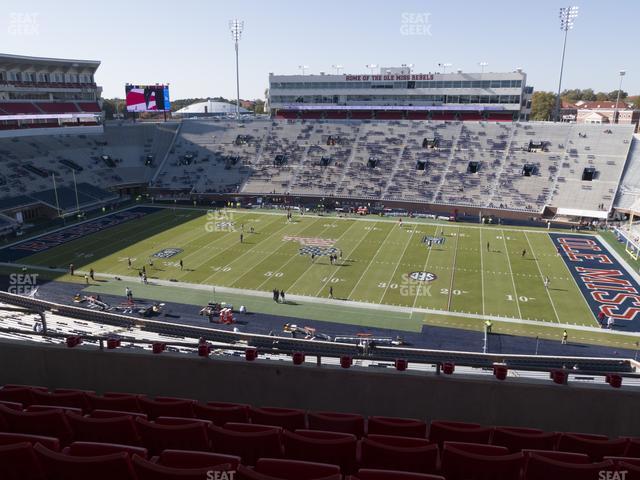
(167, 252)
(310, 241)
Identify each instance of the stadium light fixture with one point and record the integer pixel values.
(372, 67)
(236, 27)
(567, 18)
(445, 66)
(622, 73)
(337, 68)
(408, 66)
(303, 68)
(482, 65)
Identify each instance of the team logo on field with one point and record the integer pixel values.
(310, 241)
(432, 240)
(318, 251)
(423, 276)
(167, 252)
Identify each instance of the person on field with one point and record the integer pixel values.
(181, 265)
(330, 292)
(565, 337)
(282, 296)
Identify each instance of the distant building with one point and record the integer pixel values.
(600, 112)
(210, 108)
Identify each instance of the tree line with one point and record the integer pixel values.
(543, 103)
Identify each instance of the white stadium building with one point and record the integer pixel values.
(398, 93)
(209, 108)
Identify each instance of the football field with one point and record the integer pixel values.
(444, 266)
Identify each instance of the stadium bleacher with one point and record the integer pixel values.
(377, 160)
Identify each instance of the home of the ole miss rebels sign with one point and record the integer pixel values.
(605, 283)
(391, 77)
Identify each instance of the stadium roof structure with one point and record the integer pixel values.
(23, 60)
(210, 107)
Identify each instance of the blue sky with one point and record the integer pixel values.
(187, 43)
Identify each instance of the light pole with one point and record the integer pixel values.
(615, 112)
(372, 67)
(567, 17)
(337, 68)
(236, 26)
(303, 68)
(482, 65)
(445, 66)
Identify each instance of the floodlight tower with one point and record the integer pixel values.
(482, 65)
(567, 17)
(615, 113)
(445, 66)
(337, 68)
(372, 67)
(236, 26)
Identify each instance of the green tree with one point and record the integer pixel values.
(542, 105)
(601, 96)
(614, 95)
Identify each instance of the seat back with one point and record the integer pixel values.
(59, 466)
(52, 423)
(323, 447)
(595, 446)
(518, 439)
(440, 432)
(124, 403)
(542, 468)
(220, 414)
(461, 464)
(185, 459)
(166, 408)
(91, 449)
(295, 469)
(119, 430)
(70, 399)
(287, 418)
(156, 438)
(401, 427)
(378, 455)
(249, 445)
(51, 443)
(337, 422)
(18, 462)
(146, 470)
(372, 474)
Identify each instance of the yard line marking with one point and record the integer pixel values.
(482, 271)
(424, 268)
(542, 278)
(397, 264)
(372, 260)
(513, 281)
(293, 257)
(354, 249)
(311, 264)
(223, 250)
(453, 269)
(286, 224)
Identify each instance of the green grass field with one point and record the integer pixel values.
(377, 256)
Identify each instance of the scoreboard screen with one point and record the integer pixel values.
(147, 98)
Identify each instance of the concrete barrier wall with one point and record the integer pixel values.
(514, 402)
